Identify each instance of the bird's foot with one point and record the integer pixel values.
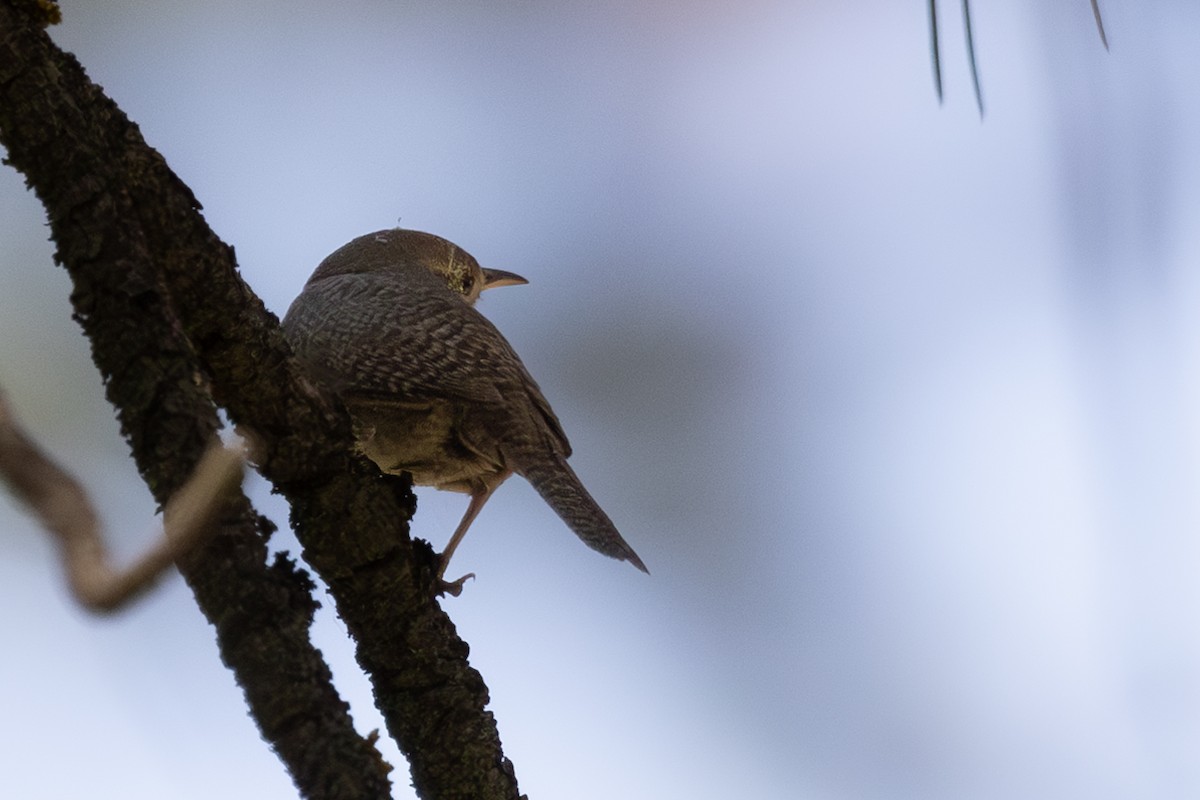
(453, 588)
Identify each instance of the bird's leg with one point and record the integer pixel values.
(478, 497)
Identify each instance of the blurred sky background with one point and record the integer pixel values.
(901, 408)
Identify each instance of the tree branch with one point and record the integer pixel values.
(65, 511)
(173, 328)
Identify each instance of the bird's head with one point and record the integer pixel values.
(399, 248)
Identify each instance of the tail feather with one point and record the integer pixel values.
(560, 487)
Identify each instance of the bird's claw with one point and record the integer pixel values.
(454, 588)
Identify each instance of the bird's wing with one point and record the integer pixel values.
(420, 343)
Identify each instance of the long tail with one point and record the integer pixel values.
(559, 486)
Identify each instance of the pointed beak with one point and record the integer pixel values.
(498, 277)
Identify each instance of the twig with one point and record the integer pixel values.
(63, 507)
(935, 48)
(971, 55)
(1099, 22)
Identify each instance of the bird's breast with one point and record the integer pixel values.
(434, 441)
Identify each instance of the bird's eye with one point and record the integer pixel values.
(467, 284)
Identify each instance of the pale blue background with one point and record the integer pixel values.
(899, 407)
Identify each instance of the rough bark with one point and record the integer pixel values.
(176, 333)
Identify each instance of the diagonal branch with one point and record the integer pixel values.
(172, 325)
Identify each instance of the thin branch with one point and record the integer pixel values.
(936, 49)
(971, 54)
(63, 507)
(1099, 22)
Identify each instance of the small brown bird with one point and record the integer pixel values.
(388, 322)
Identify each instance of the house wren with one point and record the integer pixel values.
(388, 322)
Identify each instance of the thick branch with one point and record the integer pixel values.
(157, 294)
(261, 613)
